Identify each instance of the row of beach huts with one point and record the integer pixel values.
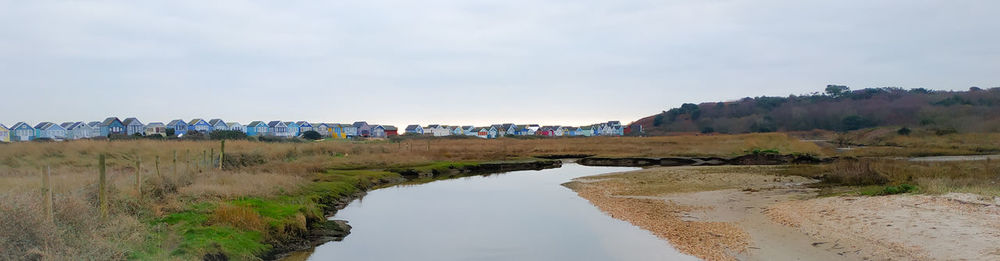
(113, 126)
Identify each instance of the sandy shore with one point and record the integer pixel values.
(745, 213)
(902, 227)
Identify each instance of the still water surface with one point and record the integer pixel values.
(522, 215)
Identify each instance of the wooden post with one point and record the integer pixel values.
(175, 163)
(222, 153)
(102, 195)
(204, 160)
(47, 193)
(156, 164)
(138, 177)
(210, 161)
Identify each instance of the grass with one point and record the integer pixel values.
(885, 142)
(889, 176)
(268, 192)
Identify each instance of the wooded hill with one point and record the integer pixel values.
(838, 109)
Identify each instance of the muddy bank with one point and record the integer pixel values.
(712, 212)
(323, 231)
(463, 169)
(750, 159)
(756, 213)
(563, 156)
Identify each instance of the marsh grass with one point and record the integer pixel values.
(884, 176)
(268, 192)
(886, 143)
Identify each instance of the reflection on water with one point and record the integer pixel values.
(523, 215)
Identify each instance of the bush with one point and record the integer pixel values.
(945, 131)
(311, 135)
(852, 172)
(904, 131)
(227, 135)
(902, 188)
(194, 135)
(242, 160)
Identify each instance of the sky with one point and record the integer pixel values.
(400, 62)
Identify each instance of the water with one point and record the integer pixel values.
(523, 215)
(956, 158)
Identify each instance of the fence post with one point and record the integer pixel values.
(156, 164)
(138, 176)
(175, 163)
(210, 161)
(47, 193)
(222, 153)
(102, 195)
(204, 160)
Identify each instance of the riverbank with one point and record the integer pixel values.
(322, 230)
(761, 213)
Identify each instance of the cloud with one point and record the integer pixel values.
(476, 62)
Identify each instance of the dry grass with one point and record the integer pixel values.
(978, 177)
(74, 163)
(660, 181)
(77, 232)
(254, 169)
(233, 185)
(888, 143)
(238, 216)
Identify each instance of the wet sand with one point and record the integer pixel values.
(900, 227)
(745, 213)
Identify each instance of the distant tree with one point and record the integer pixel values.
(658, 120)
(836, 90)
(855, 122)
(904, 131)
(707, 130)
(171, 133)
(953, 100)
(920, 91)
(311, 135)
(227, 135)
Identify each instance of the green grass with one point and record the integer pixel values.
(196, 235)
(233, 242)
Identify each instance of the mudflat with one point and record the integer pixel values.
(753, 213)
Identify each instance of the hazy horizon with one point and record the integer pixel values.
(469, 62)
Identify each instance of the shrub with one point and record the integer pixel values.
(945, 131)
(904, 131)
(311, 135)
(227, 135)
(242, 160)
(854, 172)
(902, 188)
(194, 135)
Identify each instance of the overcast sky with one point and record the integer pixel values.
(401, 62)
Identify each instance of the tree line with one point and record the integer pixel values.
(838, 108)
